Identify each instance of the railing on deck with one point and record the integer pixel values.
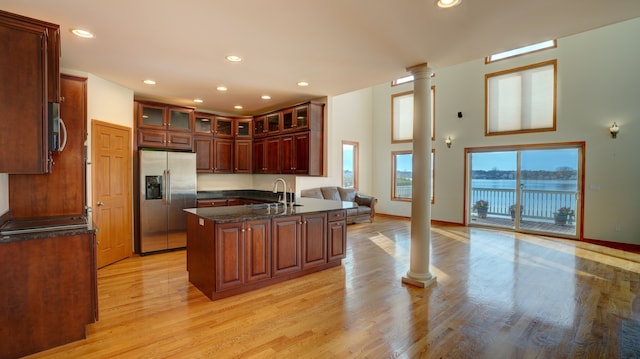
(536, 204)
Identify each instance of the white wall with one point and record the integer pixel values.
(348, 119)
(598, 83)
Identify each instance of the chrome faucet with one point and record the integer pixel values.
(284, 190)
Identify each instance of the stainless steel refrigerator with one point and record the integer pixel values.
(167, 186)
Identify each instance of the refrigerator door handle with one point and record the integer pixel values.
(168, 192)
(164, 185)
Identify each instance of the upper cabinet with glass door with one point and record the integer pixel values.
(295, 119)
(223, 127)
(242, 127)
(204, 123)
(166, 117)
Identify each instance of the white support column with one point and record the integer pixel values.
(419, 274)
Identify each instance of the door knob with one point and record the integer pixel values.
(100, 203)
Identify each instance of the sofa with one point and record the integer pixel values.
(365, 211)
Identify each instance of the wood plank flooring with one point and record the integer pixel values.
(498, 295)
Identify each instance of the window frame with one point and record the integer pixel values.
(356, 164)
(432, 95)
(488, 60)
(553, 63)
(394, 196)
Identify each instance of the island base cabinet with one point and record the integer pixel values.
(337, 235)
(258, 251)
(229, 258)
(229, 242)
(314, 241)
(286, 245)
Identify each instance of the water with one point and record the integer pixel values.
(545, 185)
(540, 198)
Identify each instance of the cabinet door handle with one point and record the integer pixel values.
(64, 140)
(100, 203)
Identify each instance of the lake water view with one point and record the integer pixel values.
(539, 198)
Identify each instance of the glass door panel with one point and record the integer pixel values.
(549, 190)
(526, 189)
(493, 188)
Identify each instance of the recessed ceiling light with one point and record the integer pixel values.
(237, 107)
(83, 33)
(234, 58)
(266, 97)
(149, 82)
(303, 83)
(198, 100)
(221, 88)
(448, 3)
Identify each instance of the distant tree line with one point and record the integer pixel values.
(560, 173)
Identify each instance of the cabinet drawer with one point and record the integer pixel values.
(212, 203)
(337, 215)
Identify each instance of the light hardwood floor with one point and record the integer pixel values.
(498, 295)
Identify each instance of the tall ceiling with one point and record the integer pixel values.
(336, 45)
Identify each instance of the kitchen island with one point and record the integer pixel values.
(235, 249)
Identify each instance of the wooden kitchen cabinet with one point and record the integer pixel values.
(294, 157)
(243, 253)
(204, 154)
(314, 240)
(257, 250)
(203, 123)
(222, 155)
(286, 241)
(214, 155)
(49, 292)
(60, 193)
(30, 73)
(266, 152)
(337, 235)
(242, 128)
(242, 153)
(296, 118)
(300, 137)
(164, 126)
(229, 249)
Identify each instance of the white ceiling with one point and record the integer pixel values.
(336, 45)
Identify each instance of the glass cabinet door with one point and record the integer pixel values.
(203, 123)
(302, 116)
(258, 126)
(223, 127)
(152, 116)
(179, 119)
(243, 128)
(287, 120)
(273, 122)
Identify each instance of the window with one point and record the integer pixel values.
(349, 164)
(402, 116)
(402, 175)
(521, 99)
(402, 80)
(520, 51)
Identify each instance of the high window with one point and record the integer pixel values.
(402, 175)
(350, 164)
(402, 116)
(521, 99)
(521, 51)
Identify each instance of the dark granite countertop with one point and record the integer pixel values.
(251, 194)
(261, 211)
(47, 234)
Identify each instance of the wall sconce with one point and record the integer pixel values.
(448, 141)
(614, 129)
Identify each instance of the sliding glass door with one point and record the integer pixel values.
(529, 188)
